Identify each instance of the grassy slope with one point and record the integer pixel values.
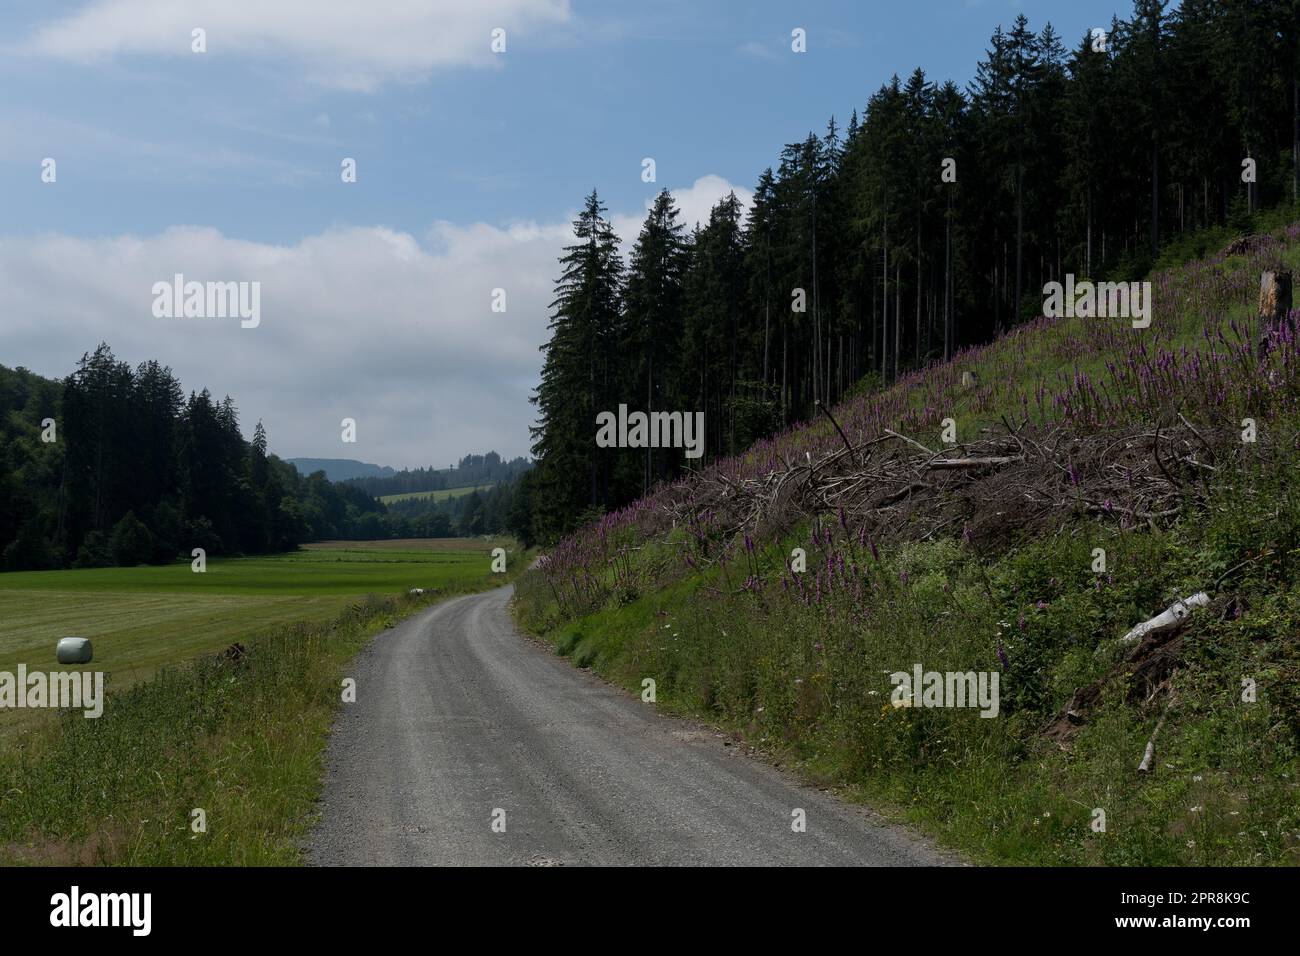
(808, 680)
(241, 741)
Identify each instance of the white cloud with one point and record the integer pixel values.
(694, 203)
(342, 45)
(363, 322)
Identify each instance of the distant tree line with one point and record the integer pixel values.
(929, 222)
(115, 466)
(470, 471)
(482, 511)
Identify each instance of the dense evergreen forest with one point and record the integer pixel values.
(115, 466)
(491, 510)
(928, 222)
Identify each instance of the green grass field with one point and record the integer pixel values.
(139, 619)
(242, 740)
(440, 495)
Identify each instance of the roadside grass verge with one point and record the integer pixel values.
(808, 683)
(238, 736)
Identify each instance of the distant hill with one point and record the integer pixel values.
(470, 472)
(341, 469)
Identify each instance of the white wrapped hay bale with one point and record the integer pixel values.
(74, 650)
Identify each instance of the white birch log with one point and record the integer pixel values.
(1150, 753)
(1167, 620)
(940, 464)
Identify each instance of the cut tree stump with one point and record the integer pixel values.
(1274, 304)
(1274, 296)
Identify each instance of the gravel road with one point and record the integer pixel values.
(459, 717)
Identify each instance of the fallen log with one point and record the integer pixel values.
(1144, 672)
(1170, 619)
(956, 463)
(1149, 754)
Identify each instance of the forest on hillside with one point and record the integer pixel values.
(114, 465)
(927, 223)
(470, 471)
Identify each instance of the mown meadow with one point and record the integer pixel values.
(238, 733)
(139, 619)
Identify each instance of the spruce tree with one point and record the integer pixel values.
(578, 376)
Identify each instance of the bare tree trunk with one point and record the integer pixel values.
(1020, 241)
(1087, 259)
(1155, 194)
(918, 289)
(898, 314)
(947, 279)
(884, 317)
(767, 315)
(818, 385)
(785, 404)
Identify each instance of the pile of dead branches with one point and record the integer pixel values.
(1015, 480)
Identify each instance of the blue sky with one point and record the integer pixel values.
(469, 165)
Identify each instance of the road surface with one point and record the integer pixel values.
(460, 723)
